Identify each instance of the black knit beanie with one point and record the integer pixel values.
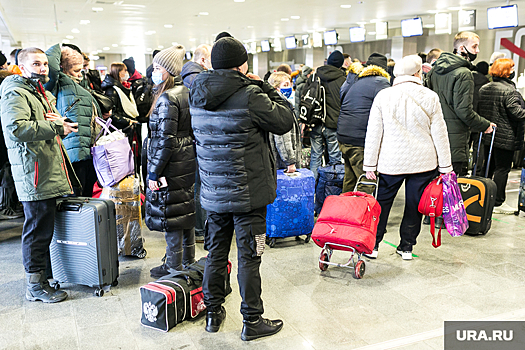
(3, 59)
(336, 59)
(228, 53)
(222, 35)
(377, 59)
(130, 65)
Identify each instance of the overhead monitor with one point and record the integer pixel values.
(381, 30)
(412, 27)
(357, 34)
(188, 55)
(265, 45)
(317, 39)
(290, 42)
(330, 37)
(502, 17)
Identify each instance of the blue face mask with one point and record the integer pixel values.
(287, 92)
(157, 78)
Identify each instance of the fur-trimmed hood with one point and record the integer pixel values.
(373, 70)
(355, 68)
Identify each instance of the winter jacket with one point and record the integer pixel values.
(353, 71)
(189, 72)
(406, 131)
(287, 148)
(356, 104)
(232, 116)
(92, 80)
(171, 155)
(331, 78)
(479, 81)
(500, 103)
(452, 80)
(119, 118)
(67, 92)
(300, 83)
(39, 162)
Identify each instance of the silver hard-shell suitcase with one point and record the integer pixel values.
(84, 246)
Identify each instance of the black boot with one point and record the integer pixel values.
(214, 320)
(172, 263)
(260, 328)
(426, 220)
(439, 222)
(38, 288)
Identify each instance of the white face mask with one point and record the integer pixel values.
(125, 78)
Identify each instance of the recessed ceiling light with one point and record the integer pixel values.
(70, 37)
(193, 39)
(97, 9)
(105, 48)
(285, 19)
(75, 30)
(346, 6)
(114, 45)
(168, 26)
(160, 47)
(295, 17)
(85, 21)
(203, 13)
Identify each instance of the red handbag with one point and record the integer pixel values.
(431, 204)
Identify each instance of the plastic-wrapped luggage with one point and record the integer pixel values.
(329, 183)
(292, 212)
(126, 195)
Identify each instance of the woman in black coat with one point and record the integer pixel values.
(500, 103)
(170, 205)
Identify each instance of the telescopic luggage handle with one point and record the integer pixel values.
(490, 152)
(368, 183)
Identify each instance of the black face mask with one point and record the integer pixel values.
(512, 75)
(39, 77)
(470, 56)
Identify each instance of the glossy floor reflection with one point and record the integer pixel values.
(398, 304)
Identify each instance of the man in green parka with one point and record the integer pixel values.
(41, 168)
(451, 78)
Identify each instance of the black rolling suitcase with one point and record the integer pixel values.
(479, 197)
(84, 246)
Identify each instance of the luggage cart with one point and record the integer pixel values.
(359, 266)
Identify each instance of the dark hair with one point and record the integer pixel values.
(482, 67)
(115, 69)
(433, 55)
(159, 90)
(345, 56)
(284, 68)
(423, 56)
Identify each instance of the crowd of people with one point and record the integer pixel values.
(216, 135)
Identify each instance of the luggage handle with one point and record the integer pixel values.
(490, 152)
(368, 183)
(66, 206)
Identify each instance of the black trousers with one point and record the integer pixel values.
(411, 224)
(250, 231)
(460, 168)
(86, 174)
(499, 169)
(200, 212)
(37, 234)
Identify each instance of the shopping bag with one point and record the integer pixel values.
(112, 155)
(454, 214)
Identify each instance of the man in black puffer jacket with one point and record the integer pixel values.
(231, 118)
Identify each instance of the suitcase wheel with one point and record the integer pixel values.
(115, 283)
(99, 292)
(55, 285)
(359, 269)
(142, 254)
(297, 238)
(322, 266)
(307, 239)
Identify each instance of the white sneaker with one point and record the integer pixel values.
(372, 255)
(504, 209)
(405, 255)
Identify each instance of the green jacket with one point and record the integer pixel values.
(452, 80)
(67, 92)
(39, 161)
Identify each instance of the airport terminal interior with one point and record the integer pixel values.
(398, 304)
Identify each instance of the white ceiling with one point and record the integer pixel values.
(43, 23)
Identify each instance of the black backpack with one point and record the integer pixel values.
(143, 95)
(312, 108)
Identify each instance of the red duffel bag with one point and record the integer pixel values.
(349, 219)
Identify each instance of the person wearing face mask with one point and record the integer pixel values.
(76, 103)
(201, 62)
(171, 159)
(451, 78)
(232, 114)
(500, 103)
(125, 110)
(406, 141)
(286, 148)
(33, 131)
(91, 77)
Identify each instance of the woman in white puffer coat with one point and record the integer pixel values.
(406, 141)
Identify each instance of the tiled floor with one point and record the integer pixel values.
(398, 304)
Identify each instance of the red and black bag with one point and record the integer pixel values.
(431, 205)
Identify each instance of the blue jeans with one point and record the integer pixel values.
(316, 137)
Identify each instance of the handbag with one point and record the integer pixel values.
(431, 204)
(104, 102)
(454, 213)
(112, 155)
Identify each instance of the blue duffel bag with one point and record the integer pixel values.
(329, 182)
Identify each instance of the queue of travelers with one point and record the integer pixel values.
(215, 131)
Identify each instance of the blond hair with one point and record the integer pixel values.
(277, 78)
(462, 38)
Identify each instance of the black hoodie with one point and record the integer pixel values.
(231, 118)
(332, 79)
